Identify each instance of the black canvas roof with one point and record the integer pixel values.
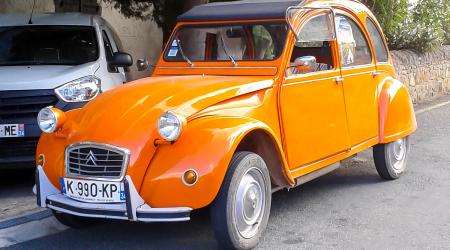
(238, 10)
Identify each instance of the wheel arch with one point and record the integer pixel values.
(207, 146)
(262, 143)
(396, 112)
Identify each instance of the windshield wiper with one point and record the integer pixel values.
(225, 48)
(185, 58)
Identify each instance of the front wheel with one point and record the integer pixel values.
(390, 159)
(240, 212)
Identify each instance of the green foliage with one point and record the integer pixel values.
(446, 22)
(390, 13)
(163, 12)
(421, 27)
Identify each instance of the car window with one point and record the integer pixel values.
(353, 46)
(381, 53)
(313, 46)
(264, 43)
(47, 45)
(109, 52)
(243, 42)
(115, 38)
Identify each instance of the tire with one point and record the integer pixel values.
(390, 159)
(74, 221)
(240, 212)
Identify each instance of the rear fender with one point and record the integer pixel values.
(396, 112)
(206, 146)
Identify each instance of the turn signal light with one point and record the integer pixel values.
(40, 160)
(190, 177)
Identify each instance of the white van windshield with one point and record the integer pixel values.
(47, 45)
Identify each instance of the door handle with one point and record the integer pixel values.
(375, 73)
(339, 80)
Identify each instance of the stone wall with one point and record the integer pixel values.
(426, 75)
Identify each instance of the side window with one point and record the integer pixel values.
(381, 53)
(109, 52)
(353, 46)
(312, 52)
(263, 43)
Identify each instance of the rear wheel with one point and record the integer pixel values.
(390, 159)
(74, 221)
(240, 212)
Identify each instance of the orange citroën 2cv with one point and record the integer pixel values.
(247, 98)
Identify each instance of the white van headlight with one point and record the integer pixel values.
(170, 126)
(80, 90)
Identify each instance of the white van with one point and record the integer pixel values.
(60, 60)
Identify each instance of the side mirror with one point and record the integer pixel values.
(306, 63)
(142, 64)
(121, 59)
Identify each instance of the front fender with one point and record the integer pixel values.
(207, 146)
(396, 111)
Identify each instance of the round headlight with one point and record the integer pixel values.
(47, 120)
(170, 126)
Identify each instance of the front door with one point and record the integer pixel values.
(360, 85)
(312, 99)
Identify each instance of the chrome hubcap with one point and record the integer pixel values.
(250, 203)
(397, 151)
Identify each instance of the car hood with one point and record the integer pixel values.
(42, 76)
(137, 105)
(127, 116)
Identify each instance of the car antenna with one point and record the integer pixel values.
(31, 15)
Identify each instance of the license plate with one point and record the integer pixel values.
(12, 130)
(93, 191)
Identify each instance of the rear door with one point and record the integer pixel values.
(312, 103)
(359, 83)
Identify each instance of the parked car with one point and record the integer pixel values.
(60, 60)
(241, 104)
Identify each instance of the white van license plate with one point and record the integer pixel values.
(12, 130)
(93, 191)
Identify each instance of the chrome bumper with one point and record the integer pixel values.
(134, 209)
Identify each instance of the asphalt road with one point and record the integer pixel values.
(351, 208)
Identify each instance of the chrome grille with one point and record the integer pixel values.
(96, 161)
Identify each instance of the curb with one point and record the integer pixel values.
(25, 219)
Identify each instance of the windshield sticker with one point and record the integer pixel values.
(174, 43)
(173, 52)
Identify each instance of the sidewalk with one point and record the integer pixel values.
(16, 196)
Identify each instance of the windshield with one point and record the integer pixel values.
(263, 41)
(47, 45)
